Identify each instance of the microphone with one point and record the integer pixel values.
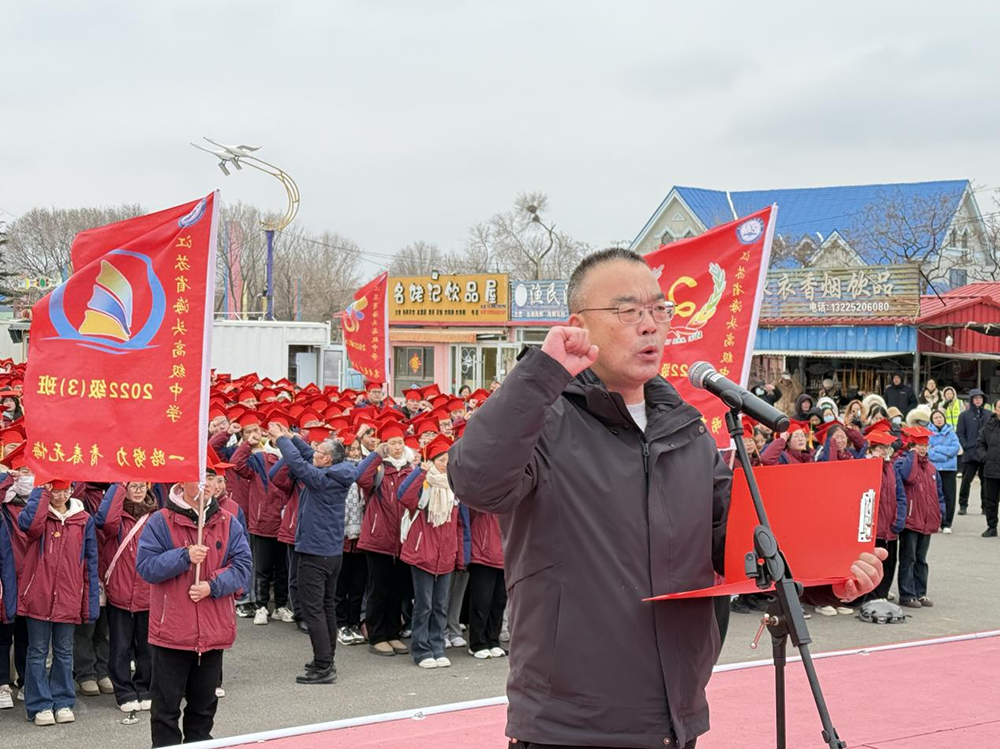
(704, 377)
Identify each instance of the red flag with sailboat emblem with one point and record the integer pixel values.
(116, 387)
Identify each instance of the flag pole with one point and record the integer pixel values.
(201, 526)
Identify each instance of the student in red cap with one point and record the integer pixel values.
(791, 447)
(254, 459)
(487, 590)
(16, 486)
(836, 443)
(190, 623)
(374, 396)
(119, 521)
(431, 548)
(412, 403)
(60, 567)
(925, 507)
(10, 403)
(390, 582)
(891, 508)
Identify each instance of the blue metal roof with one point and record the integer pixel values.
(820, 211)
(838, 338)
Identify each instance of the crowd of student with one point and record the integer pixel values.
(923, 443)
(331, 511)
(324, 509)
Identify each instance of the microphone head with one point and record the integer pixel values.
(698, 371)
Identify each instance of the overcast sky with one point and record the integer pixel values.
(412, 120)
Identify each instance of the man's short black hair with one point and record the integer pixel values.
(579, 274)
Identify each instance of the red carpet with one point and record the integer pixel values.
(939, 695)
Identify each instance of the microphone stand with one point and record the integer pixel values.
(784, 618)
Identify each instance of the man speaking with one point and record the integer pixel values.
(610, 491)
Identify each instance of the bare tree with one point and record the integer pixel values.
(315, 277)
(898, 229)
(418, 258)
(38, 241)
(521, 241)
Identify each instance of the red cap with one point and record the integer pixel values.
(60, 484)
(480, 395)
(413, 443)
(824, 430)
(373, 385)
(456, 404)
(15, 459)
(917, 435)
(279, 418)
(247, 395)
(214, 463)
(308, 416)
(389, 431)
(798, 426)
(338, 424)
(440, 400)
(880, 438)
(426, 426)
(748, 427)
(11, 436)
(319, 434)
(413, 393)
(250, 418)
(347, 437)
(437, 446)
(429, 392)
(882, 425)
(215, 412)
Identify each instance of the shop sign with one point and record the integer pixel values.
(866, 292)
(539, 301)
(449, 299)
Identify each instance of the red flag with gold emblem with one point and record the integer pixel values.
(716, 280)
(366, 329)
(116, 387)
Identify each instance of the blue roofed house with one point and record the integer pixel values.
(934, 226)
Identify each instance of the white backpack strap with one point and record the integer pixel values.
(125, 542)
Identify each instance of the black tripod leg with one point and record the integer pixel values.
(778, 647)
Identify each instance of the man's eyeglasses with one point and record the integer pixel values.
(631, 314)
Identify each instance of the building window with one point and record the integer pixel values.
(412, 365)
(964, 241)
(957, 277)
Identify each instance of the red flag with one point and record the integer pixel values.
(716, 280)
(366, 329)
(116, 386)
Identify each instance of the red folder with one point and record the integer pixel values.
(824, 516)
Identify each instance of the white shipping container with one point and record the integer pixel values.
(273, 349)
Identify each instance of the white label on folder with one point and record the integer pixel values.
(867, 516)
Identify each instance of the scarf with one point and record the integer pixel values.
(138, 509)
(399, 463)
(437, 497)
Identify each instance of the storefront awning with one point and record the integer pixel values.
(833, 354)
(433, 336)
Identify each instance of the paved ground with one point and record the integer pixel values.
(260, 670)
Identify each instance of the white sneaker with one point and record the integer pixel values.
(405, 633)
(481, 654)
(845, 610)
(443, 662)
(220, 692)
(344, 636)
(45, 718)
(20, 694)
(893, 597)
(260, 616)
(284, 614)
(504, 635)
(428, 663)
(6, 697)
(826, 610)
(130, 706)
(64, 715)
(497, 653)
(458, 642)
(447, 643)
(145, 705)
(946, 530)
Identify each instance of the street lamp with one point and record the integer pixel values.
(236, 156)
(536, 219)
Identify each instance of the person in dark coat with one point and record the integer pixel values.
(900, 395)
(803, 405)
(988, 452)
(970, 421)
(325, 477)
(610, 489)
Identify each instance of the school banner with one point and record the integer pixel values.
(824, 516)
(366, 329)
(716, 280)
(116, 387)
